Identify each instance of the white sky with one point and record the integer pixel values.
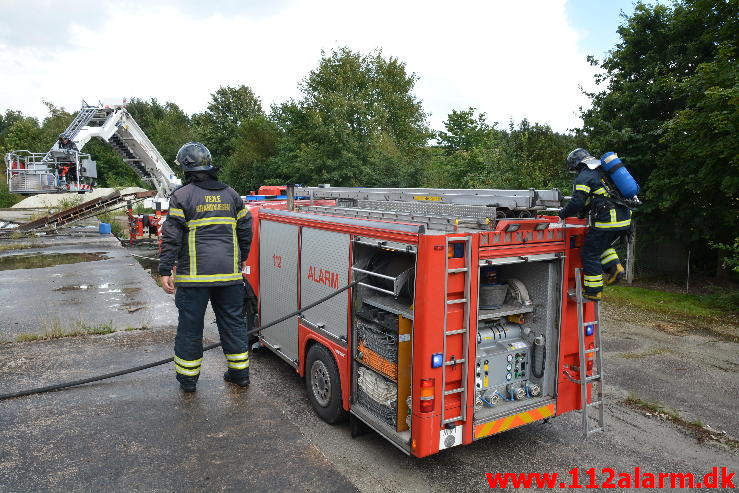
(511, 59)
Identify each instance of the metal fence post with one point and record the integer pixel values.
(630, 255)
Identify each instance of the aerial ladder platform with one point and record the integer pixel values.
(32, 173)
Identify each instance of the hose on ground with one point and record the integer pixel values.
(75, 383)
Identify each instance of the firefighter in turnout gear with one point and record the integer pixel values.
(207, 236)
(593, 194)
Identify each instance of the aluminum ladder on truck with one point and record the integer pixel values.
(586, 354)
(464, 331)
(80, 120)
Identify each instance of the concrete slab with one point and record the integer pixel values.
(113, 291)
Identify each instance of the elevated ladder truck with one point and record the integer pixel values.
(65, 170)
(34, 173)
(467, 318)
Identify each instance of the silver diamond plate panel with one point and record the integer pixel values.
(430, 208)
(324, 266)
(278, 275)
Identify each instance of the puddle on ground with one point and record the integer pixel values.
(40, 261)
(150, 264)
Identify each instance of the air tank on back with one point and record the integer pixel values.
(620, 176)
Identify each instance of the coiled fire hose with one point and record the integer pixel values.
(59, 386)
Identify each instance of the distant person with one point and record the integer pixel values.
(66, 143)
(593, 194)
(207, 236)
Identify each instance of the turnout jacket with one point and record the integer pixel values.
(207, 234)
(591, 192)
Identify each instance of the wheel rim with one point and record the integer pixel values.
(320, 382)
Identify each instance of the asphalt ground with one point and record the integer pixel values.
(106, 287)
(138, 432)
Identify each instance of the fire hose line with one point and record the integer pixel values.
(51, 388)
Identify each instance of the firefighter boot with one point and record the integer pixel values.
(614, 275)
(187, 384)
(593, 296)
(240, 378)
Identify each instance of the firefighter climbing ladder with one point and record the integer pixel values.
(464, 331)
(594, 353)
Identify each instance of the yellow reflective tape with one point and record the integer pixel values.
(613, 216)
(608, 252)
(177, 212)
(185, 371)
(188, 363)
(593, 284)
(609, 259)
(610, 158)
(193, 253)
(210, 220)
(619, 224)
(601, 191)
(225, 277)
(233, 357)
(238, 365)
(236, 248)
(583, 188)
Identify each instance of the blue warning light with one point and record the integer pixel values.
(589, 329)
(437, 360)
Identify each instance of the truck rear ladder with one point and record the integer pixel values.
(586, 354)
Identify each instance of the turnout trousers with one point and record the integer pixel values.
(228, 305)
(598, 256)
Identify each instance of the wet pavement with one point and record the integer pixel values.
(70, 281)
(138, 432)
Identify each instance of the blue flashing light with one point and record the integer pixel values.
(437, 360)
(589, 329)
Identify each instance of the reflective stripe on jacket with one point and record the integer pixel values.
(207, 234)
(590, 192)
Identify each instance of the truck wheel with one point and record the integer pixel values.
(323, 385)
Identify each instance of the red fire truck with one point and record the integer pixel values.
(466, 319)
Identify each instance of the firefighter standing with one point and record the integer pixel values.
(207, 234)
(609, 220)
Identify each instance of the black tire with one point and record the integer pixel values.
(323, 385)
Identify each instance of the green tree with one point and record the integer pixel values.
(478, 155)
(358, 123)
(668, 106)
(166, 125)
(217, 126)
(248, 166)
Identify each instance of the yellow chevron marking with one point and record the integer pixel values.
(514, 421)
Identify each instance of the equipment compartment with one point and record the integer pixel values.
(517, 338)
(382, 324)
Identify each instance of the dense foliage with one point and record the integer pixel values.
(667, 103)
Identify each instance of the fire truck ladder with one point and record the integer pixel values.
(586, 354)
(464, 331)
(82, 119)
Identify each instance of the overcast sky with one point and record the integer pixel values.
(511, 59)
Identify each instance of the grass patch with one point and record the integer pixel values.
(695, 428)
(54, 330)
(680, 304)
(17, 246)
(714, 314)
